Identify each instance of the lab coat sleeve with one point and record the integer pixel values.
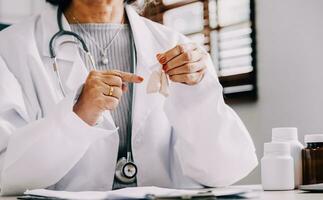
(211, 143)
(38, 153)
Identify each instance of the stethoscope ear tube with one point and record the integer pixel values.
(55, 66)
(52, 52)
(93, 65)
(62, 32)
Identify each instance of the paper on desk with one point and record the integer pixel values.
(128, 193)
(132, 193)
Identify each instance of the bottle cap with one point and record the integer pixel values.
(284, 133)
(277, 147)
(313, 138)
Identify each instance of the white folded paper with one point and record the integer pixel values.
(135, 193)
(158, 82)
(126, 193)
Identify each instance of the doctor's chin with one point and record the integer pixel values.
(109, 96)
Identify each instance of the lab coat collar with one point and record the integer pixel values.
(147, 45)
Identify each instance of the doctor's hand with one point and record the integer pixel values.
(102, 91)
(184, 63)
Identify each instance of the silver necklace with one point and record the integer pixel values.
(103, 51)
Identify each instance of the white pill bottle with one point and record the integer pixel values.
(289, 135)
(277, 167)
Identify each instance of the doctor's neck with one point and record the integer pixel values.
(95, 11)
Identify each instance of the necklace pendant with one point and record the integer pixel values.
(105, 60)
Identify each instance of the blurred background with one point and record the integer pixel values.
(268, 55)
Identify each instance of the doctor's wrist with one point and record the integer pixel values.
(90, 118)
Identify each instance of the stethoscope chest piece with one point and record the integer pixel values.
(126, 171)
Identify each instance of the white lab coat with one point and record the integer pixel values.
(189, 139)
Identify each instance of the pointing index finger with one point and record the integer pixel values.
(131, 78)
(126, 76)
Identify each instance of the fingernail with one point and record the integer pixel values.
(140, 78)
(162, 60)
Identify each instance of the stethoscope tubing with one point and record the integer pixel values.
(62, 32)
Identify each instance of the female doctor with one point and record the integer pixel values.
(64, 106)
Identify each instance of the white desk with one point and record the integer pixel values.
(8, 198)
(259, 194)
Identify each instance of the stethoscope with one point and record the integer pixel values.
(126, 169)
